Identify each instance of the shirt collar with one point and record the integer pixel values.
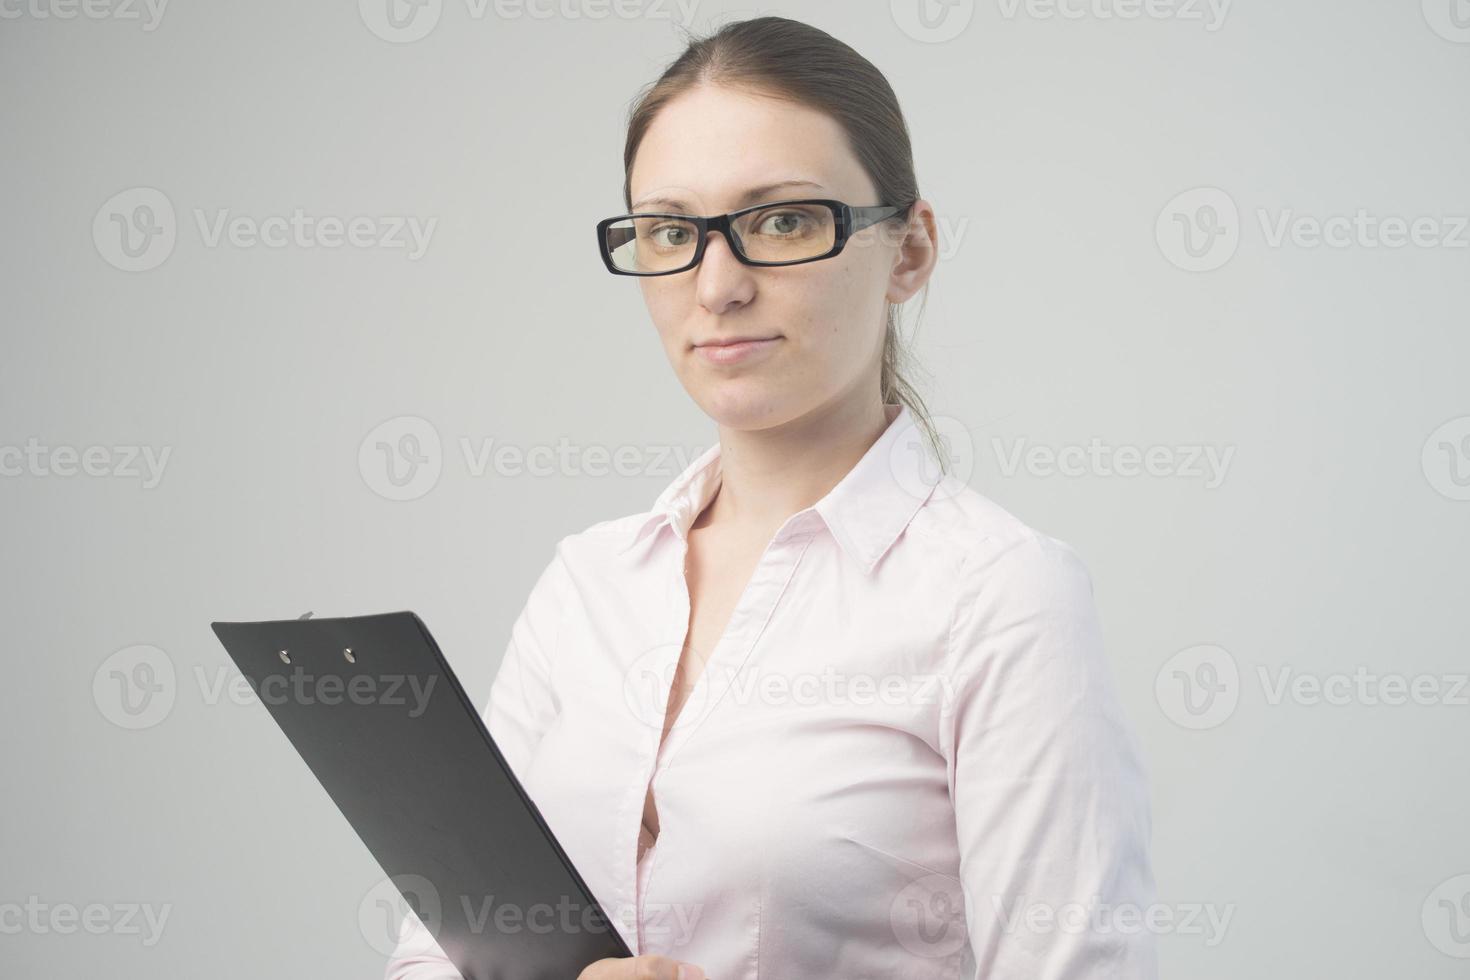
(866, 511)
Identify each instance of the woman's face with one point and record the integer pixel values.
(716, 149)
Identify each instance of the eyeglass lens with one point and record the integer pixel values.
(782, 233)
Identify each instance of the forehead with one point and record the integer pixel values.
(711, 146)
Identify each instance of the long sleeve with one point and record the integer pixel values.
(521, 706)
(1049, 790)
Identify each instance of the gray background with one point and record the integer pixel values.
(1066, 309)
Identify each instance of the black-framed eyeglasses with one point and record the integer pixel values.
(778, 233)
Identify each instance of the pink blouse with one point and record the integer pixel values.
(905, 757)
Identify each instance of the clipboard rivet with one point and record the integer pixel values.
(348, 654)
(285, 657)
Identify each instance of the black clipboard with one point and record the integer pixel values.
(374, 710)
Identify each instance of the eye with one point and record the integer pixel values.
(784, 224)
(672, 235)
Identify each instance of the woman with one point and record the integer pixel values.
(851, 718)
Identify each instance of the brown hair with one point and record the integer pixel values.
(790, 60)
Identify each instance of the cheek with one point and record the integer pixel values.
(854, 294)
(662, 303)
(870, 270)
(836, 315)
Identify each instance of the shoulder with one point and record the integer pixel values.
(597, 549)
(606, 534)
(992, 549)
(1024, 616)
(1022, 599)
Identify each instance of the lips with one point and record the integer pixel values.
(727, 341)
(736, 350)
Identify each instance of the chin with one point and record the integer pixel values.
(746, 404)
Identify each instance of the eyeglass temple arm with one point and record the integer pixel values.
(866, 217)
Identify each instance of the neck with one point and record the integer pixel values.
(766, 475)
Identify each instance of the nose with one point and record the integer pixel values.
(724, 282)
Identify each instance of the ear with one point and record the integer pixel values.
(918, 252)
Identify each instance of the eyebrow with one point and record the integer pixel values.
(749, 197)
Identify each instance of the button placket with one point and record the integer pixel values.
(658, 745)
(753, 610)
